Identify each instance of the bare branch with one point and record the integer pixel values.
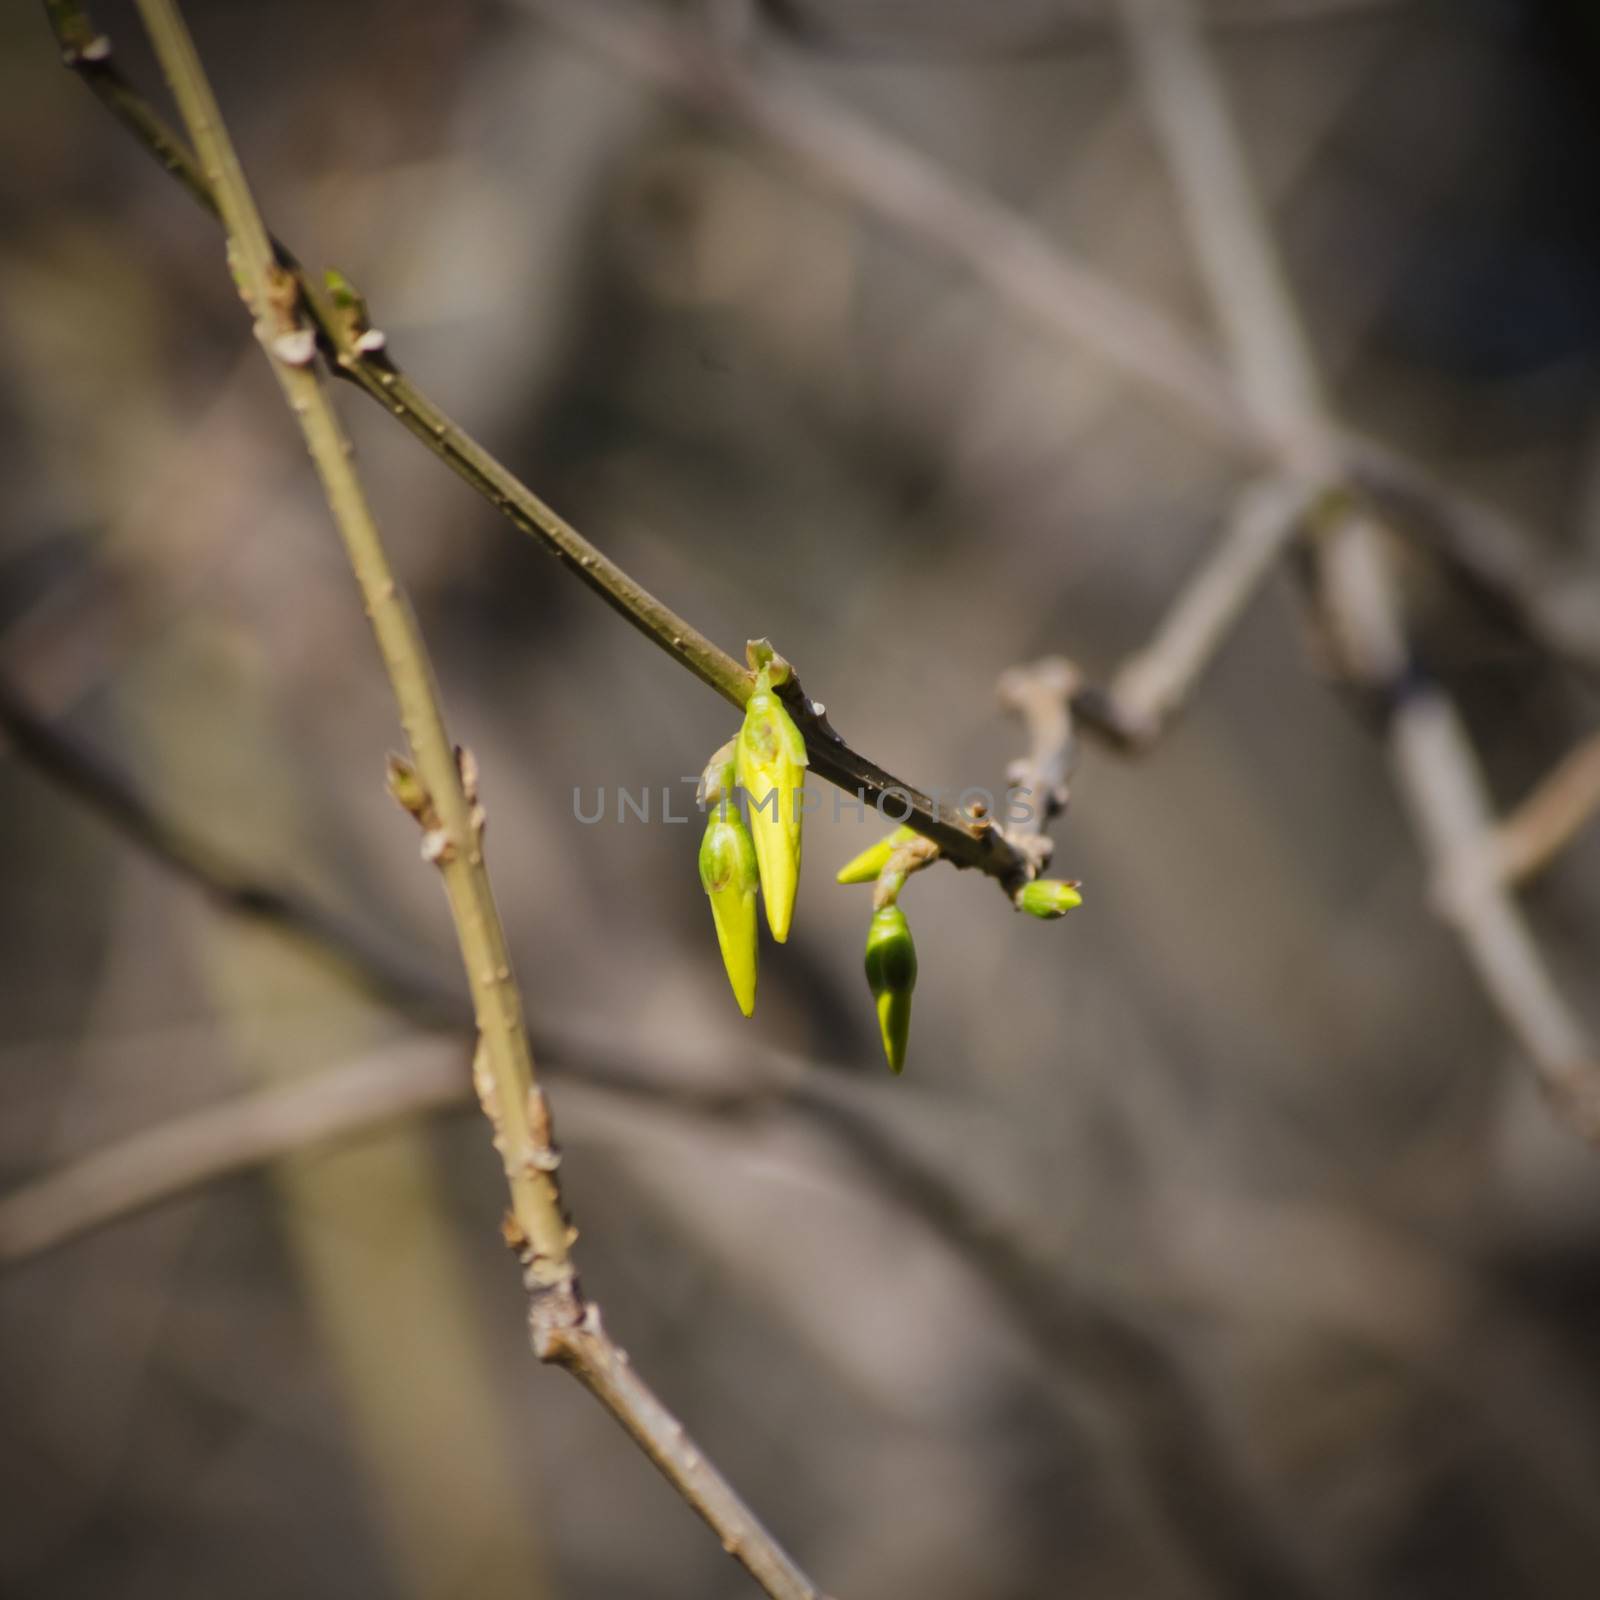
(1434, 764)
(1550, 818)
(1041, 695)
(1438, 774)
(200, 1147)
(1154, 684)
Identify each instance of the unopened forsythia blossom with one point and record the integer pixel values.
(892, 975)
(770, 762)
(728, 876)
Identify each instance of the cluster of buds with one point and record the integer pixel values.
(767, 759)
(891, 954)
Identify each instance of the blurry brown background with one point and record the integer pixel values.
(1230, 1248)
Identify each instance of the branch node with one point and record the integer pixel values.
(296, 348)
(557, 1314)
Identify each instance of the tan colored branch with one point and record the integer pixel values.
(1041, 696)
(1550, 818)
(1154, 684)
(455, 843)
(442, 793)
(1434, 764)
(238, 1135)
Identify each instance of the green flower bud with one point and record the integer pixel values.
(1048, 898)
(728, 876)
(770, 761)
(892, 975)
(865, 867)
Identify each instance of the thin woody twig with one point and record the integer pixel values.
(411, 1077)
(358, 352)
(1153, 685)
(1438, 774)
(442, 793)
(1566, 800)
(1041, 696)
(1431, 754)
(1038, 277)
(443, 783)
(246, 1131)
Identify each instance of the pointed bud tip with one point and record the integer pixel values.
(864, 868)
(894, 1028)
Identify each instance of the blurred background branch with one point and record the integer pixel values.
(1434, 763)
(1039, 278)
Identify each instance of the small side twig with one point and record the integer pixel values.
(1154, 684)
(1040, 695)
(1565, 802)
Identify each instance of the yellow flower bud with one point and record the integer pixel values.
(892, 975)
(865, 867)
(770, 761)
(728, 876)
